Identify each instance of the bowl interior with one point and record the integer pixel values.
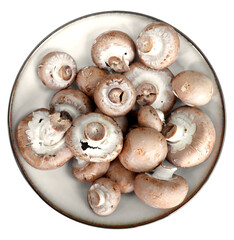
(58, 187)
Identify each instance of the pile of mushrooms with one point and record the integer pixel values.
(112, 128)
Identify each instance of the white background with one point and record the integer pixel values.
(209, 214)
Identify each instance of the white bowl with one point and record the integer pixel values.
(58, 187)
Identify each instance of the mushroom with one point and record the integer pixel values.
(192, 88)
(149, 117)
(153, 87)
(158, 45)
(144, 149)
(103, 196)
(121, 121)
(87, 79)
(72, 101)
(191, 136)
(95, 137)
(40, 137)
(113, 50)
(115, 95)
(57, 70)
(122, 176)
(162, 189)
(88, 171)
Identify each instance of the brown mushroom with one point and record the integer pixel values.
(103, 196)
(88, 171)
(40, 137)
(191, 136)
(113, 50)
(115, 95)
(57, 70)
(144, 149)
(149, 117)
(158, 45)
(72, 101)
(87, 79)
(192, 88)
(122, 176)
(162, 189)
(95, 137)
(153, 87)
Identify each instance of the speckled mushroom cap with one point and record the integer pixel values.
(144, 149)
(153, 87)
(87, 79)
(72, 101)
(113, 50)
(158, 45)
(88, 171)
(149, 117)
(191, 136)
(122, 176)
(57, 70)
(158, 192)
(95, 137)
(103, 196)
(115, 95)
(40, 145)
(193, 88)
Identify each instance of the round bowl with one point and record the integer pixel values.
(58, 187)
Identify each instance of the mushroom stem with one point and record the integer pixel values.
(164, 172)
(173, 132)
(94, 131)
(116, 95)
(117, 64)
(146, 94)
(145, 44)
(65, 72)
(97, 197)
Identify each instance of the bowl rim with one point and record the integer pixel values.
(11, 134)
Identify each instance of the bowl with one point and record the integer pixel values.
(58, 188)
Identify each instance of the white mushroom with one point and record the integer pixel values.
(95, 137)
(191, 136)
(153, 87)
(40, 137)
(57, 70)
(113, 50)
(104, 196)
(158, 45)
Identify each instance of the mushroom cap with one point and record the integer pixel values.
(72, 101)
(88, 171)
(113, 47)
(144, 149)
(160, 79)
(122, 176)
(115, 95)
(198, 142)
(159, 193)
(158, 45)
(40, 161)
(57, 70)
(87, 79)
(104, 196)
(95, 137)
(148, 117)
(193, 88)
